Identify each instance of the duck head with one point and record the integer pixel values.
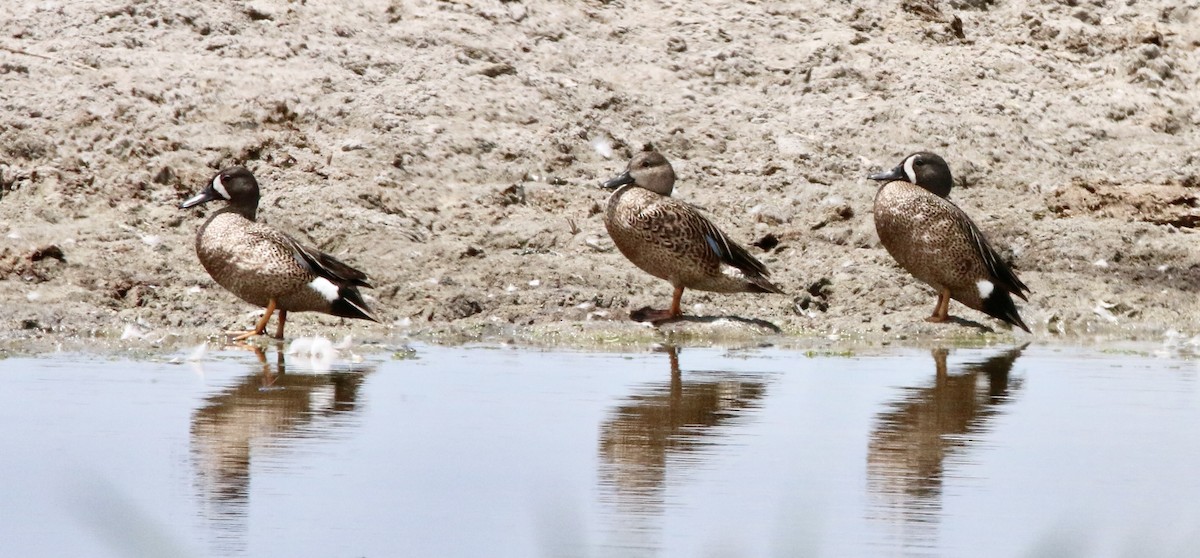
(924, 169)
(649, 170)
(235, 185)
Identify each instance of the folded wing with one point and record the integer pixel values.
(1002, 275)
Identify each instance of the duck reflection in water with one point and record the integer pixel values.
(911, 441)
(253, 419)
(666, 426)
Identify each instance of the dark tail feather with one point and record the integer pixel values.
(349, 304)
(1000, 305)
(342, 271)
(762, 285)
(328, 266)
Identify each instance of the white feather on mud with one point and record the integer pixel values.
(1102, 309)
(1176, 344)
(319, 351)
(132, 332)
(603, 145)
(344, 347)
(598, 244)
(151, 240)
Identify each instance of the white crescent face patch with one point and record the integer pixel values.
(908, 169)
(220, 188)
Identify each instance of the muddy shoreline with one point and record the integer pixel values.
(452, 151)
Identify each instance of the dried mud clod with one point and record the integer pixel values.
(815, 297)
(458, 307)
(48, 251)
(132, 293)
(512, 195)
(31, 267)
(767, 242)
(1160, 204)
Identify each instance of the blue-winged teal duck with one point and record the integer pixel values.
(671, 240)
(937, 243)
(268, 268)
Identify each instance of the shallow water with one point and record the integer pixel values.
(520, 452)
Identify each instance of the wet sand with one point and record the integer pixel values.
(450, 150)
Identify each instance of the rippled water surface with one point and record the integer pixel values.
(518, 452)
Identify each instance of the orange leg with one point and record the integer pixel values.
(675, 311)
(659, 316)
(279, 325)
(941, 312)
(261, 326)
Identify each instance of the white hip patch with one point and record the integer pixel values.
(220, 188)
(325, 287)
(985, 288)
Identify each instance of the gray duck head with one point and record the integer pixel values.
(233, 184)
(649, 170)
(924, 169)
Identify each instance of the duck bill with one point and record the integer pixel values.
(894, 174)
(203, 197)
(617, 182)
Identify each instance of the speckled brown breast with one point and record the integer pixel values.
(252, 261)
(926, 236)
(664, 237)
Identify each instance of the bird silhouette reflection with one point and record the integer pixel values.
(262, 415)
(927, 427)
(664, 428)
